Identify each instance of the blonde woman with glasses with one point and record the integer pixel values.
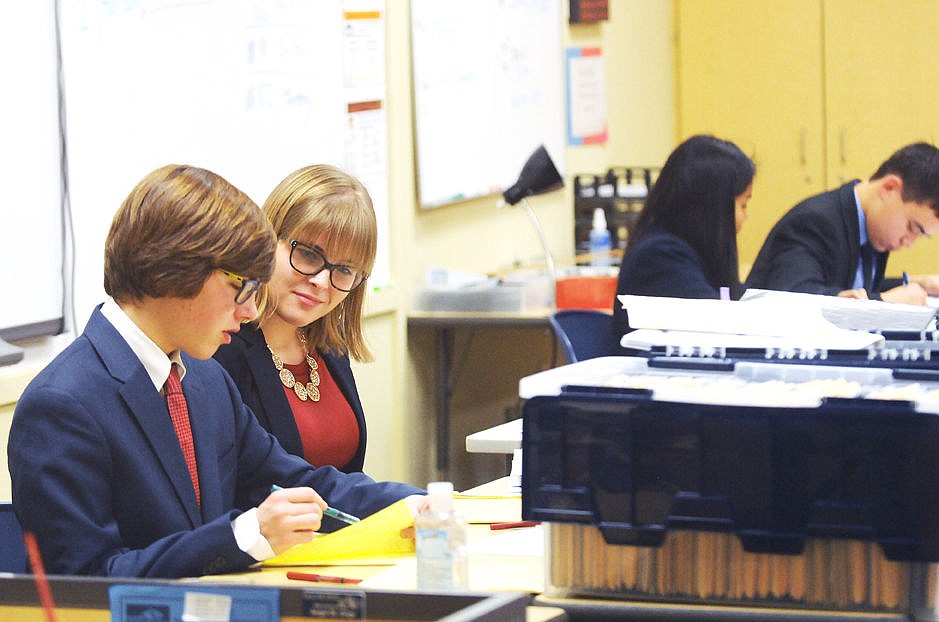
(292, 363)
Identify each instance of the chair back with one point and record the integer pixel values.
(582, 333)
(12, 547)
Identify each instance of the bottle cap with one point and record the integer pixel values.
(440, 495)
(599, 219)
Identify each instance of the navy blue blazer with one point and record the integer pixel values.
(815, 248)
(249, 363)
(661, 264)
(99, 477)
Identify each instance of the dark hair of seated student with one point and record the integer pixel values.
(684, 243)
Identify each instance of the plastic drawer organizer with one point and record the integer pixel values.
(762, 484)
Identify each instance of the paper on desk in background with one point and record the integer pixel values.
(853, 314)
(489, 509)
(759, 322)
(376, 538)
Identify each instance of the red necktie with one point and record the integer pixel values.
(179, 413)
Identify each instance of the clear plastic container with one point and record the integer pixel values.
(442, 563)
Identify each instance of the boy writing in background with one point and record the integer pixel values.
(838, 242)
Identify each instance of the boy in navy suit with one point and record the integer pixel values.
(117, 473)
(837, 243)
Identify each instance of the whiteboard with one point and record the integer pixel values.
(250, 89)
(31, 245)
(488, 90)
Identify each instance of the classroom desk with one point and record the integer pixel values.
(504, 438)
(88, 599)
(444, 324)
(495, 569)
(499, 576)
(505, 560)
(499, 561)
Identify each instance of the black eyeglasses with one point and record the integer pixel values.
(310, 261)
(248, 286)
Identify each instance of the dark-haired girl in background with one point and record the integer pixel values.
(684, 244)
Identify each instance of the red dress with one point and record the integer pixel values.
(328, 429)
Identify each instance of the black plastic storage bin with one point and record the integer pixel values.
(683, 501)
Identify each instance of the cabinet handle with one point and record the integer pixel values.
(841, 144)
(802, 138)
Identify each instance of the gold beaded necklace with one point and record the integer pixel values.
(304, 392)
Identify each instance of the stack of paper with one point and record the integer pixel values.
(848, 313)
(767, 319)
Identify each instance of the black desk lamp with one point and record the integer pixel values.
(539, 175)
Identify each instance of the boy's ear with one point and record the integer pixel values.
(892, 183)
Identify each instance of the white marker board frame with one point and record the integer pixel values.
(488, 83)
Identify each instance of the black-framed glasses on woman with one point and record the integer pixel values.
(248, 286)
(310, 261)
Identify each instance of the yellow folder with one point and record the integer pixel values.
(376, 536)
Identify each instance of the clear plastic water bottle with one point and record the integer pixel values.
(440, 534)
(600, 244)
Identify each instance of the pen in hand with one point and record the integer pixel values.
(340, 515)
(906, 278)
(337, 514)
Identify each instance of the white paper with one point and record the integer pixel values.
(645, 339)
(759, 316)
(850, 313)
(764, 319)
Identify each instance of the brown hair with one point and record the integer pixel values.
(325, 204)
(178, 225)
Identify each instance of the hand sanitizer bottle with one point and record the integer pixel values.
(441, 542)
(600, 245)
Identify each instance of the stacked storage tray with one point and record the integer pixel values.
(909, 353)
(760, 483)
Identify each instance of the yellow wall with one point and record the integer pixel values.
(474, 236)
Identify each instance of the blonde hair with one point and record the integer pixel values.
(325, 204)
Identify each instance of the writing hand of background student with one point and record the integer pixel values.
(929, 282)
(912, 294)
(290, 516)
(858, 294)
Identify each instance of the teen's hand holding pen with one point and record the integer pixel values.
(290, 516)
(908, 292)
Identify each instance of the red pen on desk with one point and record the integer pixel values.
(42, 582)
(323, 578)
(513, 525)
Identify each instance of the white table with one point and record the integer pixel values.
(501, 439)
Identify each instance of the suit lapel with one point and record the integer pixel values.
(271, 394)
(146, 405)
(205, 438)
(341, 371)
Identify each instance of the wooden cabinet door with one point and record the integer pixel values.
(751, 72)
(882, 80)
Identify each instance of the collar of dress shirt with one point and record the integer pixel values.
(861, 218)
(153, 359)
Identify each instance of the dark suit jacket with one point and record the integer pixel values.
(249, 362)
(815, 248)
(661, 264)
(99, 477)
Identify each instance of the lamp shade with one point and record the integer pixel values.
(539, 175)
